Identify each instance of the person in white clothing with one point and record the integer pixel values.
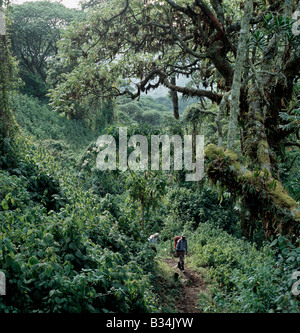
(153, 240)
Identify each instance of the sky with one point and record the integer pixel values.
(67, 3)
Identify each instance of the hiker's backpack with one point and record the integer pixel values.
(176, 239)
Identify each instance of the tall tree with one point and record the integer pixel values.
(6, 80)
(35, 31)
(243, 56)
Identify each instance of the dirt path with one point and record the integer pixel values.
(192, 285)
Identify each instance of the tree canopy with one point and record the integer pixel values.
(35, 31)
(242, 56)
(74, 229)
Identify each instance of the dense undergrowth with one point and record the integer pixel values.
(66, 255)
(37, 119)
(71, 239)
(66, 249)
(241, 277)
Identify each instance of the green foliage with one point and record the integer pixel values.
(146, 110)
(37, 119)
(8, 153)
(191, 207)
(35, 31)
(73, 260)
(140, 67)
(70, 235)
(147, 188)
(42, 187)
(243, 278)
(287, 262)
(183, 102)
(291, 120)
(167, 287)
(289, 173)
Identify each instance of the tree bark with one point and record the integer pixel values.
(265, 196)
(237, 77)
(5, 73)
(175, 98)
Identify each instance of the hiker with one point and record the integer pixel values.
(153, 240)
(181, 249)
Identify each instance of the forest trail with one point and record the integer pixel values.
(192, 285)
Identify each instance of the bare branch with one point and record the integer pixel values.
(215, 97)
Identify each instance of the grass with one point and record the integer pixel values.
(167, 286)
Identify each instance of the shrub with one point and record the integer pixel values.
(244, 278)
(190, 206)
(37, 119)
(72, 259)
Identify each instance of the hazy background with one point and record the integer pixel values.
(67, 3)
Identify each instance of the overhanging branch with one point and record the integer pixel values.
(215, 97)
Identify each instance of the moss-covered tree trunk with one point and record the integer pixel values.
(5, 82)
(4, 107)
(264, 195)
(253, 175)
(238, 72)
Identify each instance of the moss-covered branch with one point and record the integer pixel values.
(276, 208)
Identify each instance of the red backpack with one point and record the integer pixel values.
(176, 239)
